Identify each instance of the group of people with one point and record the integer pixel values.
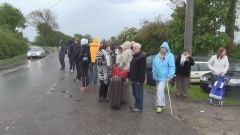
(95, 61)
(82, 56)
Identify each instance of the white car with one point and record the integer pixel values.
(199, 69)
(35, 51)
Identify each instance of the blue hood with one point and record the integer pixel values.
(165, 45)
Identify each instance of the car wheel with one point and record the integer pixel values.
(221, 103)
(28, 57)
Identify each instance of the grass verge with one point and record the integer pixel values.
(14, 59)
(195, 93)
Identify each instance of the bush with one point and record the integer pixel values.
(11, 44)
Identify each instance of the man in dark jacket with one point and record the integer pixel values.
(71, 52)
(61, 55)
(76, 54)
(137, 76)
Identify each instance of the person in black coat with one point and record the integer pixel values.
(85, 59)
(137, 76)
(183, 68)
(71, 52)
(76, 53)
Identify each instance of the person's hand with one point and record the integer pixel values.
(169, 79)
(104, 62)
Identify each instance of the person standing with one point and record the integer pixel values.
(127, 55)
(61, 54)
(163, 69)
(85, 59)
(183, 67)
(92, 71)
(137, 76)
(70, 55)
(105, 60)
(218, 64)
(76, 53)
(119, 55)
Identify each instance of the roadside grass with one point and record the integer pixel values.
(23, 56)
(14, 59)
(195, 93)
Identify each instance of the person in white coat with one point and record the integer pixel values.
(127, 55)
(218, 64)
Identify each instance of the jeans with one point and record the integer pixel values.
(72, 63)
(62, 62)
(78, 70)
(93, 72)
(137, 89)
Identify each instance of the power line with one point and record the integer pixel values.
(55, 4)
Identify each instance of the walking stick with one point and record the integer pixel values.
(169, 99)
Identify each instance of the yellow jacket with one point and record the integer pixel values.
(94, 49)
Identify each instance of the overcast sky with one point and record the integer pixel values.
(102, 18)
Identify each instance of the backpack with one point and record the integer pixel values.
(85, 57)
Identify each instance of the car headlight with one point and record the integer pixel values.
(203, 78)
(234, 81)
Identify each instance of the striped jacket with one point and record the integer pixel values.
(104, 71)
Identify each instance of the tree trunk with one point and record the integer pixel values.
(230, 24)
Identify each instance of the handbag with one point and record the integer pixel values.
(117, 71)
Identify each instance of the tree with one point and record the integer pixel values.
(128, 34)
(209, 17)
(11, 17)
(230, 23)
(44, 21)
(152, 34)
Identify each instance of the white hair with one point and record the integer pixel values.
(137, 45)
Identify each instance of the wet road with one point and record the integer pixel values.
(38, 99)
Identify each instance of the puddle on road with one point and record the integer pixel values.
(67, 96)
(65, 91)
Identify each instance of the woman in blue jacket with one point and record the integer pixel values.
(163, 70)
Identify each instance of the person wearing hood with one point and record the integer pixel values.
(77, 49)
(119, 55)
(92, 71)
(183, 67)
(163, 69)
(127, 55)
(85, 59)
(61, 54)
(70, 55)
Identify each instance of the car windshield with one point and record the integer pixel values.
(234, 66)
(35, 49)
(149, 60)
(203, 67)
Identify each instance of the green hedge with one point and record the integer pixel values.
(11, 44)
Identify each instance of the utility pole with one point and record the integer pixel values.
(188, 34)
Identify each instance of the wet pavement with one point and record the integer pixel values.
(38, 99)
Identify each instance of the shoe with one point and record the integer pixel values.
(163, 107)
(71, 70)
(159, 110)
(68, 70)
(184, 95)
(136, 110)
(78, 80)
(86, 88)
(178, 95)
(100, 99)
(83, 89)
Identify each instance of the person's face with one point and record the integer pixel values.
(108, 49)
(76, 42)
(185, 53)
(224, 53)
(120, 50)
(135, 49)
(163, 50)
